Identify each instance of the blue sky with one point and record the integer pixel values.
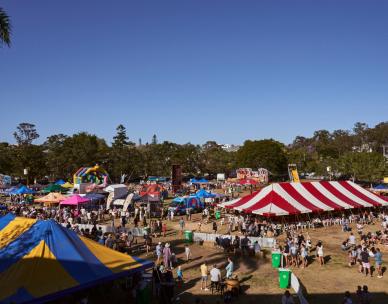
(192, 71)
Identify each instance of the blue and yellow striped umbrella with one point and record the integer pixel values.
(41, 261)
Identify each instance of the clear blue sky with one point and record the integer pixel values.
(192, 71)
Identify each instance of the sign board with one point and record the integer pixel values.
(261, 175)
(220, 176)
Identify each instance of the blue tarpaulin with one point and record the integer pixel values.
(204, 194)
(22, 190)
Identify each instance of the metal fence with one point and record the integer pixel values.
(263, 242)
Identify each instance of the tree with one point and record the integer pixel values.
(83, 150)
(121, 138)
(6, 158)
(214, 159)
(25, 133)
(56, 159)
(122, 155)
(5, 28)
(267, 153)
(365, 166)
(154, 140)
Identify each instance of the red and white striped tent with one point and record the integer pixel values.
(296, 198)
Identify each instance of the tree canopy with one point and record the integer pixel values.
(356, 153)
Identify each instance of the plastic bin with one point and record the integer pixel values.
(218, 214)
(276, 259)
(188, 236)
(284, 277)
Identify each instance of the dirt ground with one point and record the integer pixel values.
(259, 280)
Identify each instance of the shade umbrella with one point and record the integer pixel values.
(51, 198)
(75, 200)
(60, 182)
(54, 188)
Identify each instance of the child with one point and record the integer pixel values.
(187, 252)
(179, 275)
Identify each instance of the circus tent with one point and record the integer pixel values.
(41, 261)
(306, 197)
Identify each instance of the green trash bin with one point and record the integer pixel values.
(188, 236)
(284, 277)
(276, 259)
(218, 214)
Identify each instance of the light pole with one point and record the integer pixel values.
(25, 171)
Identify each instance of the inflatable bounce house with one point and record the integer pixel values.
(95, 175)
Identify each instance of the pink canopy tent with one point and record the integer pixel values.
(75, 200)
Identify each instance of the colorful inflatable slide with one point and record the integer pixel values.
(95, 175)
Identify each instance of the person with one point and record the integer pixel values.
(215, 276)
(365, 262)
(148, 242)
(304, 255)
(157, 274)
(347, 299)
(378, 261)
(181, 225)
(158, 250)
(287, 299)
(294, 254)
(167, 255)
(130, 239)
(179, 275)
(245, 245)
(164, 229)
(365, 296)
(109, 241)
(359, 294)
(257, 248)
(214, 227)
(286, 254)
(204, 272)
(187, 252)
(352, 239)
(320, 253)
(229, 269)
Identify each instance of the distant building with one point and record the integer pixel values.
(230, 147)
(363, 148)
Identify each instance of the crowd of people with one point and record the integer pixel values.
(297, 250)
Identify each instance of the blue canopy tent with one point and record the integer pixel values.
(381, 187)
(178, 200)
(10, 190)
(60, 182)
(204, 194)
(23, 190)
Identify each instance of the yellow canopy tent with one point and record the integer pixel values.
(67, 185)
(51, 198)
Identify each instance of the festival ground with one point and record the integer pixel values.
(259, 280)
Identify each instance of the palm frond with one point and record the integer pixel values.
(5, 28)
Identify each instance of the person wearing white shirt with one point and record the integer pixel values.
(215, 276)
(352, 239)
